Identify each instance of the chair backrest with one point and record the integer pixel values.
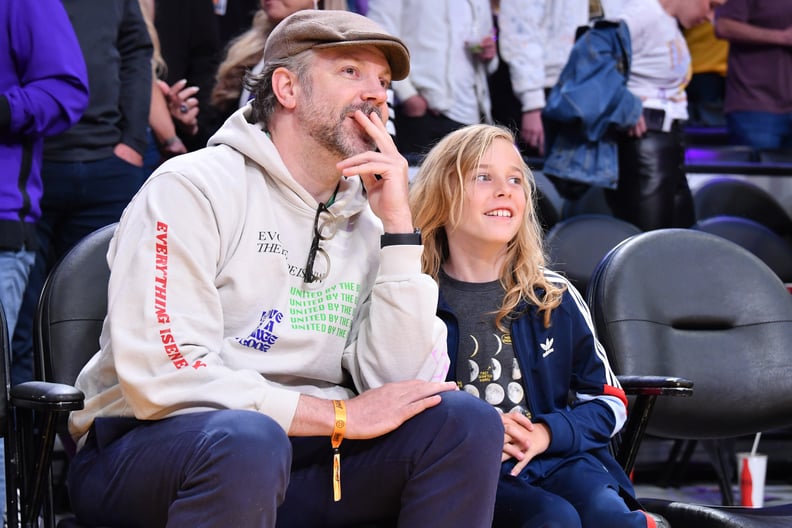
(736, 197)
(760, 240)
(546, 210)
(72, 309)
(576, 245)
(681, 302)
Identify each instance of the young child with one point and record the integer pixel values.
(520, 337)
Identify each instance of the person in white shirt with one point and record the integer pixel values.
(652, 190)
(534, 39)
(452, 45)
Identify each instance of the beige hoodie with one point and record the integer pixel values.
(207, 307)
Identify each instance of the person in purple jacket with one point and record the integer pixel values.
(520, 338)
(92, 170)
(43, 91)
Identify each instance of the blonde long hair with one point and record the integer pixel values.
(437, 197)
(158, 66)
(243, 53)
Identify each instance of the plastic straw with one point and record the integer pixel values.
(755, 443)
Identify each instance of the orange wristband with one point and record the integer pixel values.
(339, 428)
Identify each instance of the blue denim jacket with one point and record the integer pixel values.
(588, 106)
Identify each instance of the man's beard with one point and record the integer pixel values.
(332, 131)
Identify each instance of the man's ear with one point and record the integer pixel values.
(284, 86)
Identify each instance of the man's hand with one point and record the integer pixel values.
(523, 440)
(532, 130)
(384, 174)
(382, 410)
(371, 414)
(182, 104)
(172, 147)
(638, 129)
(487, 49)
(128, 154)
(785, 37)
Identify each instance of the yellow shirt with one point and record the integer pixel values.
(708, 53)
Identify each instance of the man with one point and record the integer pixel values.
(758, 102)
(253, 314)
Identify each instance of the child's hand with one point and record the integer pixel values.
(523, 440)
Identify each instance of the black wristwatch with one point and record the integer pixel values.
(401, 239)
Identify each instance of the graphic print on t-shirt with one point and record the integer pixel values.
(485, 362)
(493, 373)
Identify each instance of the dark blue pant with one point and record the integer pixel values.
(580, 493)
(761, 130)
(705, 94)
(78, 199)
(237, 468)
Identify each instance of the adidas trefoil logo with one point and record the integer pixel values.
(547, 346)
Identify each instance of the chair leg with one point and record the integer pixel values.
(722, 455)
(680, 469)
(677, 463)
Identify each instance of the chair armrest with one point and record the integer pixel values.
(646, 389)
(656, 385)
(31, 444)
(43, 395)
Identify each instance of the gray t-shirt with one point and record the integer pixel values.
(485, 364)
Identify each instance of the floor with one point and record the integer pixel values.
(708, 493)
(656, 477)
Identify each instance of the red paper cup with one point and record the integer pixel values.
(751, 471)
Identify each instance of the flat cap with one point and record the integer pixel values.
(312, 28)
